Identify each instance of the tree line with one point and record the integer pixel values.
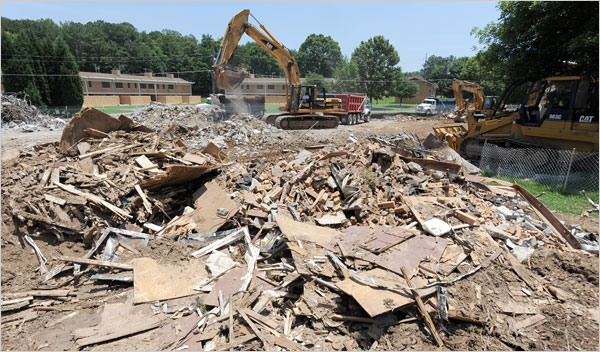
(530, 40)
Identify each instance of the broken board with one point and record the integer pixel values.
(155, 282)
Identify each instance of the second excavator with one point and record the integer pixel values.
(306, 106)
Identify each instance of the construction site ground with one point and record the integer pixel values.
(548, 302)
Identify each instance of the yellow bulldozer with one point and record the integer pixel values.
(555, 112)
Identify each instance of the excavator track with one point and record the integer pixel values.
(303, 122)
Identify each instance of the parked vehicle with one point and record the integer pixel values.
(355, 109)
(433, 105)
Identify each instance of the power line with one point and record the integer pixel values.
(141, 75)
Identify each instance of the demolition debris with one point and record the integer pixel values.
(378, 243)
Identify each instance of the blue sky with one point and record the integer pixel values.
(416, 29)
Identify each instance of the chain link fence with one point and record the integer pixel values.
(563, 170)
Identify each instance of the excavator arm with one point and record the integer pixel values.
(230, 79)
(465, 86)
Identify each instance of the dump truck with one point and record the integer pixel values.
(355, 109)
(555, 113)
(433, 106)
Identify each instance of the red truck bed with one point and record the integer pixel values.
(351, 103)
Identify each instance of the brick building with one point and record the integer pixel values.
(424, 89)
(116, 89)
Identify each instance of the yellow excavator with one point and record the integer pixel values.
(306, 106)
(555, 112)
(482, 105)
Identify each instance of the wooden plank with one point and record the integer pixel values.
(54, 199)
(255, 331)
(464, 217)
(95, 133)
(94, 199)
(421, 306)
(95, 262)
(17, 300)
(521, 271)
(458, 317)
(136, 328)
(546, 215)
(49, 293)
(261, 319)
(14, 306)
(145, 201)
(529, 321)
(118, 148)
(319, 196)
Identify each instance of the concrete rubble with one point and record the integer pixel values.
(188, 241)
(18, 114)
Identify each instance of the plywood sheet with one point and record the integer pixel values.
(153, 281)
(376, 301)
(409, 254)
(207, 199)
(294, 230)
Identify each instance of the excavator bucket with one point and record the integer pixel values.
(230, 79)
(452, 134)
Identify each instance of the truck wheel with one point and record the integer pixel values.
(355, 119)
(344, 120)
(367, 118)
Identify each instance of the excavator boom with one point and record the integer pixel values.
(230, 79)
(306, 106)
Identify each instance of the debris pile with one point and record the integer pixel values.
(18, 113)
(206, 124)
(326, 248)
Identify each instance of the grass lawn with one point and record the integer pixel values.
(572, 203)
(388, 105)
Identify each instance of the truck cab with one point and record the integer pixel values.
(429, 106)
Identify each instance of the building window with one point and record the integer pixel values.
(135, 85)
(170, 86)
(151, 86)
(143, 85)
(119, 85)
(105, 84)
(260, 86)
(163, 86)
(128, 85)
(271, 86)
(90, 84)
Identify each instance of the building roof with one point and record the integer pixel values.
(125, 77)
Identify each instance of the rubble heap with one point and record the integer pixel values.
(18, 113)
(207, 124)
(372, 244)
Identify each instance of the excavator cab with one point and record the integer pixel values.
(312, 98)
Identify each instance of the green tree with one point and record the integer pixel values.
(66, 88)
(253, 58)
(347, 77)
(376, 59)
(541, 38)
(401, 87)
(312, 79)
(319, 54)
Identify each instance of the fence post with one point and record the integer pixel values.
(568, 169)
